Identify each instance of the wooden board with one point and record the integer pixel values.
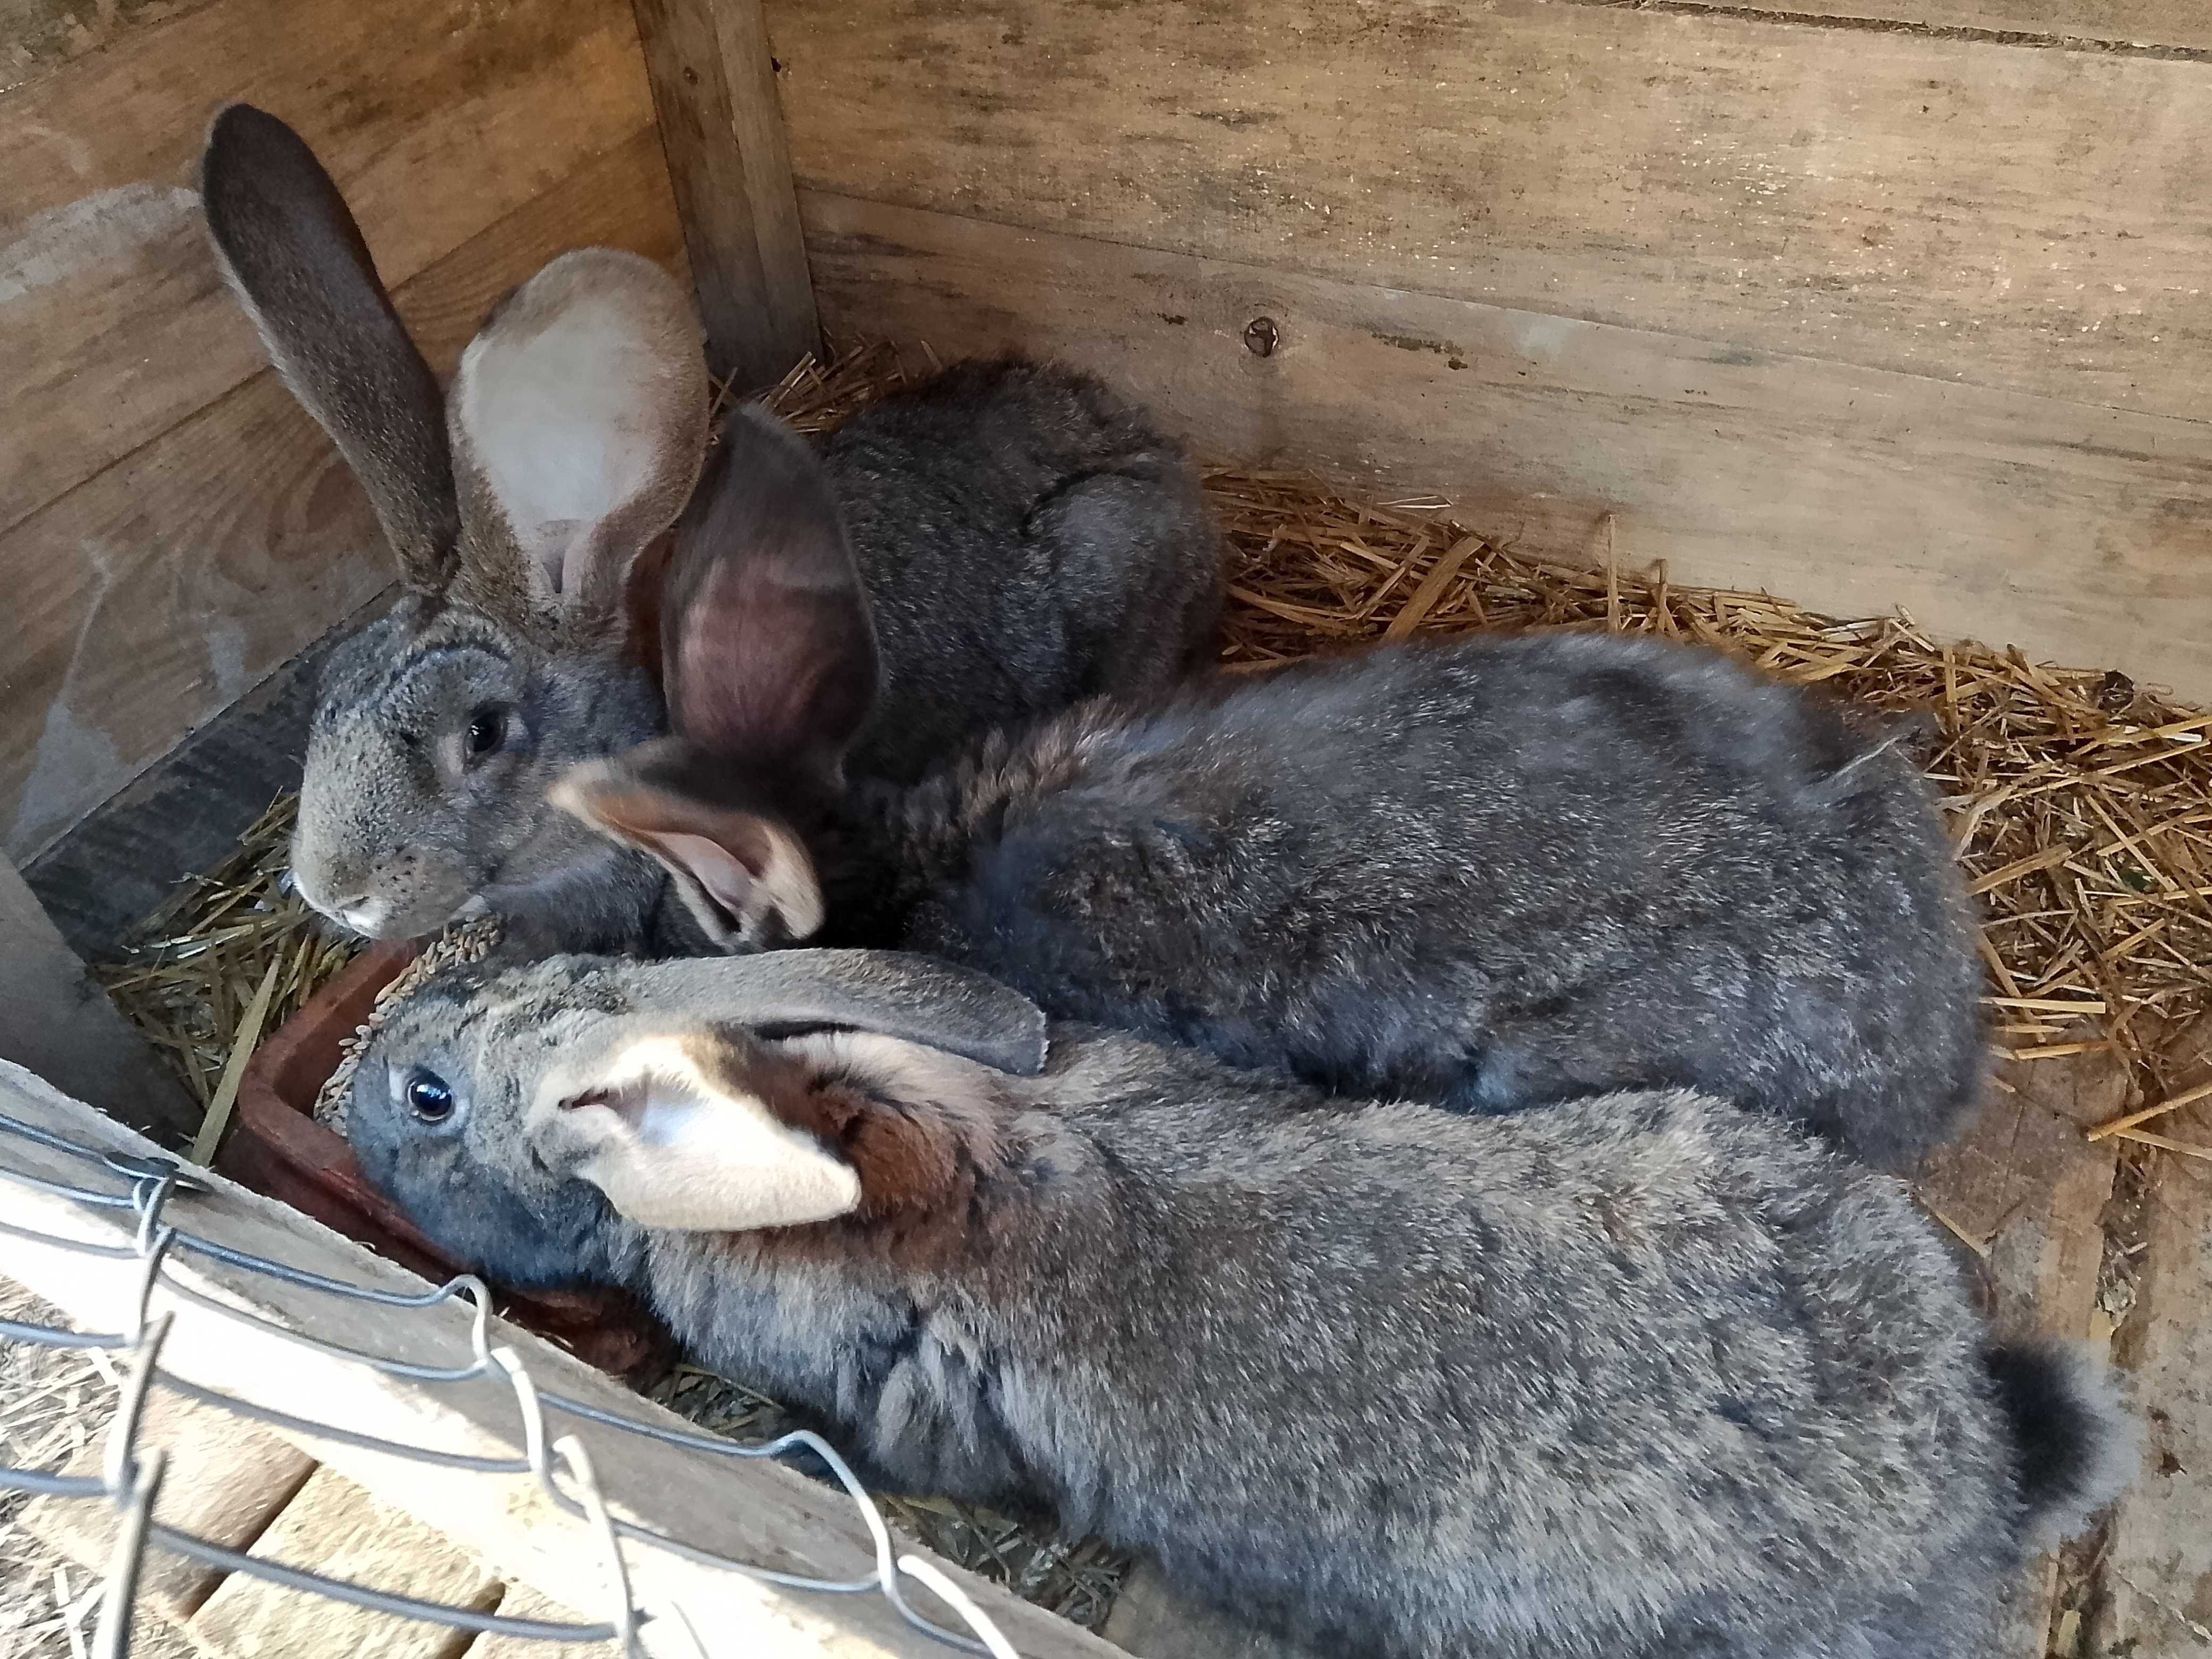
(2083, 534)
(2025, 1195)
(438, 118)
(744, 1509)
(39, 35)
(223, 1479)
(714, 87)
(2152, 24)
(55, 1019)
(1963, 209)
(156, 594)
(2157, 1572)
(335, 1528)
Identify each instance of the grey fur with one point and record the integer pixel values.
(1492, 872)
(1027, 538)
(1635, 1376)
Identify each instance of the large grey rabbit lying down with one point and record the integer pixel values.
(1642, 1374)
(1028, 538)
(1490, 872)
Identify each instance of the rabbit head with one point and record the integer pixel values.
(516, 505)
(771, 670)
(533, 1121)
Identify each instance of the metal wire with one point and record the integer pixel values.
(130, 1473)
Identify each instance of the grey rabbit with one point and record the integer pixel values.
(1027, 538)
(1487, 872)
(1639, 1375)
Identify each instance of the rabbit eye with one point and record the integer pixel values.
(487, 731)
(429, 1098)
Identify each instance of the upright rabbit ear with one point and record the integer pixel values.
(770, 652)
(295, 259)
(670, 1130)
(580, 418)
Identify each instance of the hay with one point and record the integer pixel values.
(2078, 802)
(188, 975)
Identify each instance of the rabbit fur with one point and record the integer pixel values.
(1635, 1375)
(1026, 536)
(1489, 872)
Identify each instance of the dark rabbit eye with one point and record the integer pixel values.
(429, 1098)
(487, 731)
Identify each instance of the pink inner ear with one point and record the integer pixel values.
(627, 1102)
(714, 866)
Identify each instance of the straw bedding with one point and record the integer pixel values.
(2079, 801)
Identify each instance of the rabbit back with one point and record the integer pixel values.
(1640, 1375)
(1492, 872)
(1026, 538)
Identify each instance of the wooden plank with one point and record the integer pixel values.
(2157, 1571)
(154, 595)
(741, 1509)
(1150, 1619)
(2026, 1195)
(2082, 534)
(56, 1021)
(2177, 24)
(224, 1480)
(520, 1601)
(722, 124)
(334, 1528)
(37, 36)
(1954, 208)
(437, 117)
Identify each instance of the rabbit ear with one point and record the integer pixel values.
(579, 419)
(293, 255)
(673, 1136)
(745, 876)
(911, 998)
(770, 654)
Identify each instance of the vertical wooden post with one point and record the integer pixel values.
(713, 90)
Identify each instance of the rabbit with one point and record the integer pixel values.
(1028, 538)
(1635, 1375)
(1485, 872)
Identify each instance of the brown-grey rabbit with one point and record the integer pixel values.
(1489, 872)
(1637, 1374)
(1027, 538)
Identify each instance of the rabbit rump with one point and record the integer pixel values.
(1029, 539)
(1641, 1375)
(1490, 872)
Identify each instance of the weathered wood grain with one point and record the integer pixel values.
(2026, 1196)
(713, 86)
(522, 1602)
(2157, 1569)
(745, 1509)
(2024, 219)
(223, 1479)
(56, 1021)
(334, 1528)
(37, 36)
(2179, 24)
(2083, 534)
(438, 118)
(153, 595)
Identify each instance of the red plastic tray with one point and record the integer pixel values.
(275, 1147)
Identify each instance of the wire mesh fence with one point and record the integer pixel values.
(147, 1189)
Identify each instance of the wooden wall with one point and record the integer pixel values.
(1874, 302)
(172, 527)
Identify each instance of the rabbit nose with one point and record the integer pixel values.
(362, 912)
